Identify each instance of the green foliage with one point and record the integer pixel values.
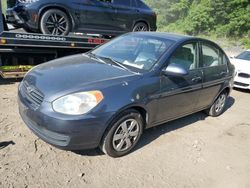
(4, 5)
(246, 42)
(223, 18)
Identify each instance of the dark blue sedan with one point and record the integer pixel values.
(107, 97)
(59, 17)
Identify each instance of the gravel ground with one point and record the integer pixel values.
(195, 151)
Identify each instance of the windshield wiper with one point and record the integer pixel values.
(114, 62)
(91, 55)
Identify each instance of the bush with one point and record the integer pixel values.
(246, 42)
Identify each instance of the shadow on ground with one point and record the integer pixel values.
(6, 144)
(153, 133)
(9, 81)
(90, 152)
(242, 90)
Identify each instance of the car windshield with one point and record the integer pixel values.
(137, 52)
(245, 56)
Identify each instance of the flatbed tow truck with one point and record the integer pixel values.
(20, 51)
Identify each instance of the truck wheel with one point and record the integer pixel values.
(218, 106)
(140, 27)
(55, 22)
(123, 135)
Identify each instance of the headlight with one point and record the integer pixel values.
(77, 103)
(27, 1)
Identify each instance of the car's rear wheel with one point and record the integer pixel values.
(124, 133)
(218, 106)
(55, 22)
(141, 26)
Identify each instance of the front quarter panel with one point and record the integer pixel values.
(69, 6)
(137, 93)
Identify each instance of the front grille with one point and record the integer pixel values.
(244, 75)
(33, 95)
(11, 3)
(241, 84)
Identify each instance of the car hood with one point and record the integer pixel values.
(241, 65)
(74, 73)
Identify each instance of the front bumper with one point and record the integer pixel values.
(242, 82)
(21, 16)
(64, 132)
(13, 17)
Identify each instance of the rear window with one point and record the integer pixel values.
(122, 2)
(141, 4)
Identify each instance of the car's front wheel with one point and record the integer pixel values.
(218, 106)
(55, 22)
(123, 134)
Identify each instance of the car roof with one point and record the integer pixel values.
(170, 36)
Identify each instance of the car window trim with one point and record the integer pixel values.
(197, 54)
(122, 6)
(212, 45)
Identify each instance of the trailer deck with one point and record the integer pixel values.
(20, 51)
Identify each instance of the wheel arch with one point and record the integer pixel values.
(59, 7)
(141, 21)
(141, 109)
(225, 89)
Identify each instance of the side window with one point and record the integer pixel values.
(225, 60)
(211, 56)
(141, 4)
(126, 3)
(186, 56)
(133, 3)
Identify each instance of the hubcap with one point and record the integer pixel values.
(220, 103)
(125, 135)
(56, 24)
(140, 28)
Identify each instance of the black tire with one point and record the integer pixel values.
(55, 22)
(28, 30)
(108, 145)
(218, 106)
(140, 26)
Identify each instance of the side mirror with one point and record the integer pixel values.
(175, 70)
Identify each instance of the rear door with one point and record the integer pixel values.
(96, 15)
(215, 72)
(126, 13)
(180, 94)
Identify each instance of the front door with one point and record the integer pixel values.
(180, 95)
(96, 15)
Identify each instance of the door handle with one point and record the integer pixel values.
(196, 79)
(223, 73)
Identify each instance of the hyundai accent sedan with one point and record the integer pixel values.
(107, 97)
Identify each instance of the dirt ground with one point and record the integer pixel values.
(195, 151)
